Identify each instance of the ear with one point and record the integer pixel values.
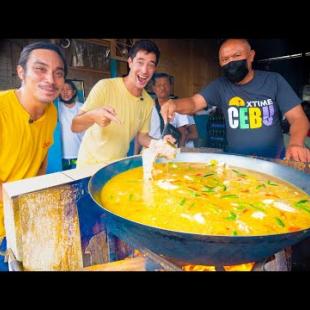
(129, 62)
(20, 72)
(252, 55)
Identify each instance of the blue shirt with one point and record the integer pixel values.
(252, 112)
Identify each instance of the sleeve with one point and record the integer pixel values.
(180, 120)
(191, 120)
(211, 93)
(96, 97)
(145, 128)
(285, 95)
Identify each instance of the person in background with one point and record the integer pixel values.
(68, 108)
(28, 116)
(118, 109)
(161, 85)
(251, 101)
(191, 132)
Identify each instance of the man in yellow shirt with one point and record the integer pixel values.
(27, 115)
(118, 109)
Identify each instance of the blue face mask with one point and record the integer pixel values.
(236, 71)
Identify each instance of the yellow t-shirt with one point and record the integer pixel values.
(105, 144)
(23, 145)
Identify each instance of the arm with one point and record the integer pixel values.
(184, 133)
(138, 146)
(101, 116)
(188, 105)
(42, 169)
(299, 126)
(143, 139)
(192, 132)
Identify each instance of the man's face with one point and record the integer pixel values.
(67, 92)
(162, 88)
(235, 49)
(142, 68)
(43, 77)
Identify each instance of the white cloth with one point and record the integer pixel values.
(70, 140)
(191, 121)
(178, 121)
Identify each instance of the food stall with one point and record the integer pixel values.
(54, 222)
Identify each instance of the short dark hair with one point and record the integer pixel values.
(73, 86)
(222, 41)
(159, 75)
(25, 53)
(146, 45)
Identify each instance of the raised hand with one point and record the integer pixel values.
(168, 110)
(103, 116)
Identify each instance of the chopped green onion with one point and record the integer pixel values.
(194, 194)
(301, 202)
(301, 205)
(208, 174)
(232, 216)
(207, 189)
(256, 207)
(271, 183)
(182, 202)
(192, 205)
(239, 173)
(280, 222)
(260, 186)
(229, 196)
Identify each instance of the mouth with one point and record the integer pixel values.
(50, 91)
(66, 97)
(142, 80)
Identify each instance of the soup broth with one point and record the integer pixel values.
(208, 198)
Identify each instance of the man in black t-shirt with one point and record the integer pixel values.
(252, 102)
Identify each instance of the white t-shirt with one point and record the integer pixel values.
(191, 122)
(70, 140)
(178, 121)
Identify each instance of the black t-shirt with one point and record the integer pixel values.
(252, 112)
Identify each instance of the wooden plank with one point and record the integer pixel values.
(129, 264)
(87, 69)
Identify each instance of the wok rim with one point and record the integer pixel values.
(198, 236)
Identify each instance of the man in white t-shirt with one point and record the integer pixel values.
(192, 132)
(68, 108)
(161, 83)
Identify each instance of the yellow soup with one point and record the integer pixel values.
(211, 199)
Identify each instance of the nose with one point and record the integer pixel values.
(228, 60)
(50, 77)
(144, 69)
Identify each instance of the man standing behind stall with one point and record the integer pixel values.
(161, 84)
(118, 109)
(27, 114)
(251, 101)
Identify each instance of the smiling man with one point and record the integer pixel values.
(118, 109)
(28, 116)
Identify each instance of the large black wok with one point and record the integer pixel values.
(195, 248)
